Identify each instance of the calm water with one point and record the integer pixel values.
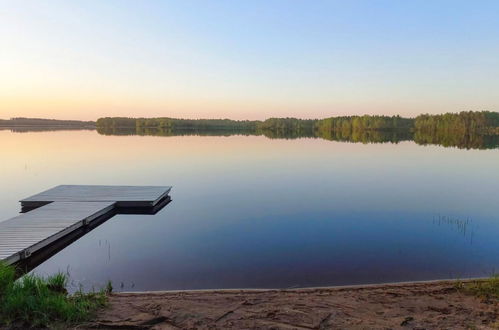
(249, 211)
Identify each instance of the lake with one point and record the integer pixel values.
(255, 212)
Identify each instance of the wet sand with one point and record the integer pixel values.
(426, 305)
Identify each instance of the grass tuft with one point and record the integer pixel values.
(34, 301)
(7, 277)
(109, 287)
(487, 289)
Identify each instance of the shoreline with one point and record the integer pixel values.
(347, 286)
(433, 304)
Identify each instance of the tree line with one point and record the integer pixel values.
(359, 123)
(174, 123)
(449, 139)
(466, 122)
(21, 121)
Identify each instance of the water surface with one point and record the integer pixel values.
(254, 212)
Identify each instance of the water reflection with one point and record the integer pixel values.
(465, 227)
(462, 141)
(459, 140)
(47, 252)
(29, 129)
(446, 139)
(250, 211)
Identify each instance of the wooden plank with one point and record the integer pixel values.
(62, 210)
(27, 233)
(124, 196)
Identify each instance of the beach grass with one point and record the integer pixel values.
(35, 301)
(487, 289)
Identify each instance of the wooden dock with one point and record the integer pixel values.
(123, 196)
(58, 212)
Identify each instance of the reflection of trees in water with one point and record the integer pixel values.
(144, 131)
(366, 136)
(286, 134)
(466, 228)
(28, 129)
(458, 140)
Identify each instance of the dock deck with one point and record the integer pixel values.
(123, 196)
(58, 212)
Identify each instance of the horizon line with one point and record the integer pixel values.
(220, 118)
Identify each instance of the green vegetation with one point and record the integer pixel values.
(116, 122)
(458, 140)
(152, 131)
(33, 301)
(466, 122)
(171, 123)
(366, 136)
(470, 130)
(169, 126)
(487, 289)
(359, 123)
(271, 124)
(27, 122)
(365, 129)
(477, 130)
(287, 125)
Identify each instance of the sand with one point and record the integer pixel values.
(430, 305)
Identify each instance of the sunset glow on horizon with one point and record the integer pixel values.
(246, 60)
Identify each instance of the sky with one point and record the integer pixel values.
(247, 59)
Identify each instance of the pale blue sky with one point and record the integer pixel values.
(247, 59)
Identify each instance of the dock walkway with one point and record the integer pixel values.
(57, 212)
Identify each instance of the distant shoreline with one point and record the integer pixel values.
(460, 140)
(48, 126)
(464, 122)
(45, 128)
(22, 122)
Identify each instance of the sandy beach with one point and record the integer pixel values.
(423, 305)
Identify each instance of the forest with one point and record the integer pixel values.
(173, 123)
(366, 122)
(470, 122)
(466, 122)
(477, 130)
(21, 121)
